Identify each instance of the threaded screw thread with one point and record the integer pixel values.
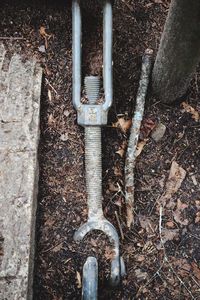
(92, 87)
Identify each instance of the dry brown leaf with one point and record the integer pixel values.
(197, 218)
(112, 187)
(109, 253)
(140, 258)
(196, 270)
(93, 243)
(169, 234)
(122, 149)
(147, 224)
(57, 248)
(178, 217)
(141, 275)
(176, 176)
(182, 267)
(140, 147)
(123, 124)
(170, 224)
(118, 202)
(117, 171)
(45, 35)
(189, 109)
(78, 277)
(49, 222)
(43, 32)
(146, 128)
(51, 119)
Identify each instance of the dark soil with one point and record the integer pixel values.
(153, 271)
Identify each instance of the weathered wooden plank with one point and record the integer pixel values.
(20, 88)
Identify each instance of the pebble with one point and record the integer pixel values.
(158, 132)
(42, 49)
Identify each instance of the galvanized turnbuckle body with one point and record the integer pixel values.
(92, 116)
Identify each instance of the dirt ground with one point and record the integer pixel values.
(161, 252)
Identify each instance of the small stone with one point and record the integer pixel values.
(42, 49)
(194, 180)
(158, 132)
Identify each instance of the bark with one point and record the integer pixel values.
(179, 51)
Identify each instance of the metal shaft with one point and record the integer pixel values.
(107, 54)
(90, 279)
(93, 168)
(76, 50)
(93, 155)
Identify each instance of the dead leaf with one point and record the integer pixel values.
(45, 35)
(197, 218)
(169, 234)
(123, 124)
(146, 128)
(57, 248)
(178, 213)
(51, 119)
(141, 275)
(118, 202)
(196, 270)
(181, 266)
(109, 253)
(140, 258)
(78, 277)
(170, 224)
(122, 149)
(117, 171)
(189, 109)
(147, 224)
(49, 222)
(43, 32)
(140, 147)
(112, 187)
(93, 242)
(176, 176)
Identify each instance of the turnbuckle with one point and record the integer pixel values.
(92, 116)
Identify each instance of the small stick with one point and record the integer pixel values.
(47, 81)
(119, 224)
(134, 134)
(11, 38)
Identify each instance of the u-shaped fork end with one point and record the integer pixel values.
(106, 227)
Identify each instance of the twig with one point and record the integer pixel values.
(134, 134)
(11, 38)
(128, 5)
(53, 247)
(119, 224)
(47, 81)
